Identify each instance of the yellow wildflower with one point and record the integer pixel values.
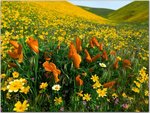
(135, 90)
(86, 97)
(43, 85)
(25, 90)
(130, 98)
(119, 58)
(146, 93)
(15, 85)
(4, 88)
(143, 74)
(96, 85)
(15, 74)
(146, 101)
(137, 84)
(58, 100)
(102, 93)
(114, 95)
(41, 37)
(140, 79)
(142, 71)
(80, 94)
(19, 107)
(23, 80)
(8, 96)
(9, 79)
(84, 74)
(60, 39)
(137, 110)
(124, 95)
(3, 76)
(95, 78)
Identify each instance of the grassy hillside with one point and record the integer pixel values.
(136, 11)
(63, 8)
(99, 11)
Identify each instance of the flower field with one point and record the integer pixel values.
(56, 59)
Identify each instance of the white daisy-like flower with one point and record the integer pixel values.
(56, 87)
(102, 64)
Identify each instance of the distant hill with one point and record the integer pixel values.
(98, 11)
(137, 11)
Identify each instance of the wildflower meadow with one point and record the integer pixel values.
(58, 57)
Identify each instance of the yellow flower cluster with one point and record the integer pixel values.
(97, 85)
(15, 85)
(142, 78)
(95, 79)
(86, 97)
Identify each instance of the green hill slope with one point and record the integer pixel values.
(137, 11)
(99, 11)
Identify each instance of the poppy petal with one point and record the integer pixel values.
(96, 57)
(109, 84)
(78, 45)
(33, 44)
(88, 57)
(79, 81)
(14, 43)
(76, 60)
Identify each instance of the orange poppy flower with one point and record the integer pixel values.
(88, 57)
(76, 60)
(51, 67)
(78, 45)
(47, 66)
(104, 55)
(20, 59)
(33, 44)
(74, 55)
(91, 43)
(14, 43)
(14, 54)
(116, 64)
(126, 63)
(95, 42)
(72, 50)
(96, 57)
(109, 84)
(56, 73)
(112, 52)
(17, 52)
(101, 46)
(79, 81)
